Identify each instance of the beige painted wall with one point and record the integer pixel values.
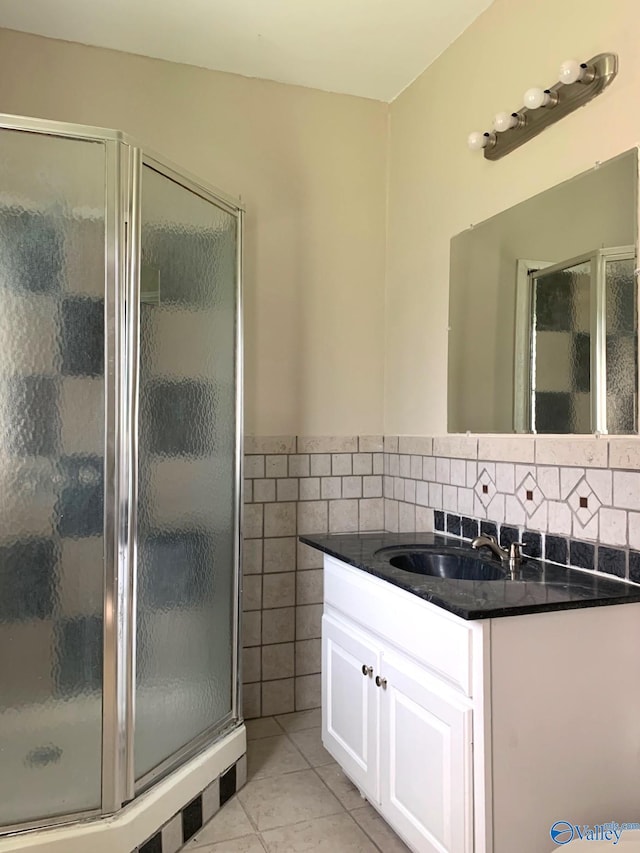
(437, 187)
(310, 168)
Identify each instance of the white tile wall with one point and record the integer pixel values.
(583, 488)
(296, 485)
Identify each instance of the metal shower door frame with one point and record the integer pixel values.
(123, 165)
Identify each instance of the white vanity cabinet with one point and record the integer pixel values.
(350, 702)
(397, 705)
(479, 735)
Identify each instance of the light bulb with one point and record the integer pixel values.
(535, 98)
(504, 121)
(477, 141)
(571, 71)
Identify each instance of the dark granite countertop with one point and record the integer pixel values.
(539, 587)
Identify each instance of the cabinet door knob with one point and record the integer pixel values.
(367, 670)
(381, 682)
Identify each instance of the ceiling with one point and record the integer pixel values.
(370, 48)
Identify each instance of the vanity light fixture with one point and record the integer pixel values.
(572, 71)
(535, 98)
(578, 83)
(505, 121)
(477, 140)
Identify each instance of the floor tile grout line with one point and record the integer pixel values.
(285, 772)
(281, 774)
(298, 750)
(368, 834)
(303, 821)
(365, 802)
(365, 833)
(292, 742)
(362, 805)
(309, 820)
(278, 723)
(246, 813)
(208, 844)
(342, 808)
(274, 717)
(260, 833)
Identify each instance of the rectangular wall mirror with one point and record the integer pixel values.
(543, 316)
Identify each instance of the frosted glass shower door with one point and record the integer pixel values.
(561, 350)
(186, 470)
(52, 474)
(583, 344)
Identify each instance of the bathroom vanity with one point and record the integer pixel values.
(473, 715)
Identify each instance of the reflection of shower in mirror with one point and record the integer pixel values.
(554, 351)
(576, 344)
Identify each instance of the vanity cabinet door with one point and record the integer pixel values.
(425, 759)
(350, 663)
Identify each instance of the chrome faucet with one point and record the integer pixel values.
(513, 556)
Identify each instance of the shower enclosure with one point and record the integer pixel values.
(120, 439)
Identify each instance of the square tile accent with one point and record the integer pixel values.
(508, 535)
(582, 554)
(153, 845)
(583, 502)
(172, 835)
(488, 528)
(613, 561)
(454, 524)
(241, 772)
(227, 785)
(556, 549)
(485, 487)
(532, 544)
(529, 494)
(211, 796)
(470, 528)
(634, 566)
(192, 817)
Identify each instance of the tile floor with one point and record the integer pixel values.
(296, 799)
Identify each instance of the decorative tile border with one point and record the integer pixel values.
(595, 503)
(194, 815)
